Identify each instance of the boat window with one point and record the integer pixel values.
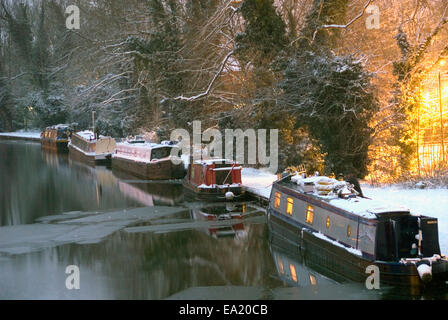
(293, 273)
(280, 266)
(289, 206)
(309, 214)
(277, 200)
(313, 280)
(160, 153)
(349, 230)
(328, 223)
(62, 134)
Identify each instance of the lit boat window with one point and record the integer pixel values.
(281, 268)
(293, 273)
(309, 214)
(313, 280)
(328, 223)
(277, 200)
(289, 206)
(349, 231)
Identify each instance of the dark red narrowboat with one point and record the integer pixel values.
(214, 180)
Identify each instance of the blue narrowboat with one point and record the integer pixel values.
(347, 232)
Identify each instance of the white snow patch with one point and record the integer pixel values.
(87, 135)
(428, 202)
(366, 208)
(349, 249)
(258, 181)
(22, 134)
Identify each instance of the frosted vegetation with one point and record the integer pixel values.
(340, 94)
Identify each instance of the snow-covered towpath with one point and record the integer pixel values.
(31, 135)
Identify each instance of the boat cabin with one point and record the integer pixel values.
(56, 133)
(214, 180)
(214, 172)
(145, 151)
(150, 161)
(56, 137)
(86, 146)
(88, 142)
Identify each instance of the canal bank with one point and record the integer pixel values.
(23, 136)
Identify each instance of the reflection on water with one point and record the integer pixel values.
(36, 183)
(136, 239)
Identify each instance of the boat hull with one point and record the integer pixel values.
(102, 159)
(161, 170)
(212, 194)
(60, 146)
(328, 258)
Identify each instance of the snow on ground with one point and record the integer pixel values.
(431, 202)
(22, 134)
(258, 181)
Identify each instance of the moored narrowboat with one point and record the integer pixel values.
(55, 138)
(85, 146)
(349, 233)
(149, 161)
(214, 180)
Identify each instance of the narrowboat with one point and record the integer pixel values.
(149, 161)
(214, 180)
(85, 146)
(55, 138)
(349, 233)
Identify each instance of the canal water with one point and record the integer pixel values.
(134, 239)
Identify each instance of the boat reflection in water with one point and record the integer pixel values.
(150, 193)
(229, 218)
(309, 276)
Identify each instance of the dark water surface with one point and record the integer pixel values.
(135, 239)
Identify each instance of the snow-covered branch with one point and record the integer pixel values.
(343, 26)
(210, 86)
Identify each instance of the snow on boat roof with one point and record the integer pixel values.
(88, 135)
(363, 207)
(212, 161)
(59, 126)
(146, 145)
(366, 208)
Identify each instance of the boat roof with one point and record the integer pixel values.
(59, 127)
(90, 136)
(352, 202)
(147, 145)
(86, 134)
(214, 161)
(366, 208)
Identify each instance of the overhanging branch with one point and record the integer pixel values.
(210, 86)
